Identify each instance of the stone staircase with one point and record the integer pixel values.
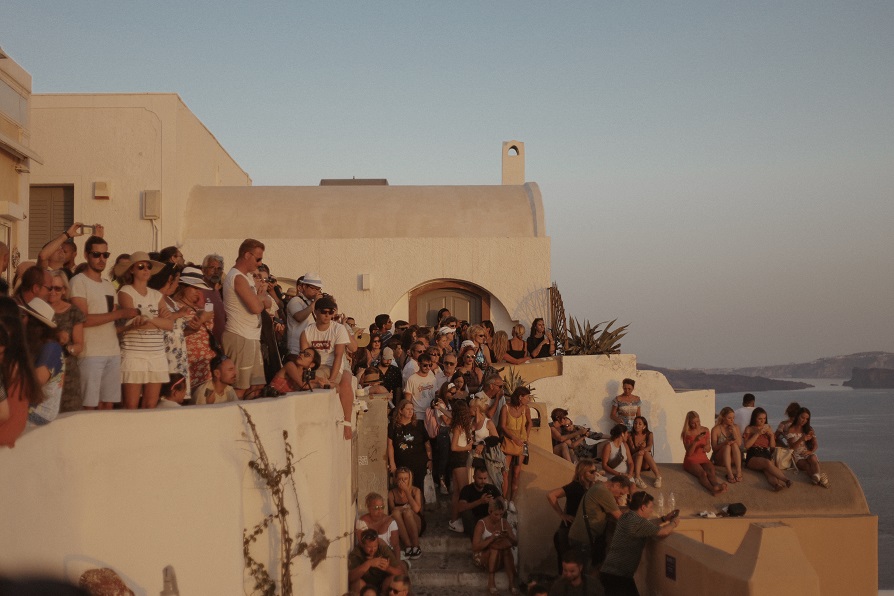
(445, 567)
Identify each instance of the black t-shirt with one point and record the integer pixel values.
(574, 492)
(470, 494)
(409, 446)
(533, 342)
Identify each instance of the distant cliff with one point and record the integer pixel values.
(836, 367)
(682, 380)
(871, 378)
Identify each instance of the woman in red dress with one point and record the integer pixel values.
(696, 462)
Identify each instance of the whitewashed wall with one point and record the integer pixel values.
(139, 490)
(589, 383)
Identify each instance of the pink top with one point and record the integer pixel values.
(697, 455)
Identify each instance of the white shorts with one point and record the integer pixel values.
(144, 367)
(100, 379)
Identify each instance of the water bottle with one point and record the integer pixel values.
(661, 503)
(525, 454)
(672, 502)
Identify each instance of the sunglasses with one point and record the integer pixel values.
(327, 311)
(96, 254)
(449, 363)
(143, 266)
(56, 288)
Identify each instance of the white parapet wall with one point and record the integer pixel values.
(138, 490)
(588, 384)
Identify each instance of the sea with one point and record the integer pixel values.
(852, 426)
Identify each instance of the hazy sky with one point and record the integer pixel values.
(719, 175)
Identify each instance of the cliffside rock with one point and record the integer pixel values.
(871, 378)
(722, 383)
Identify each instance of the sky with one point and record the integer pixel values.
(719, 175)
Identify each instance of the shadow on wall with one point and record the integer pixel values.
(535, 304)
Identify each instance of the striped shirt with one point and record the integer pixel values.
(144, 340)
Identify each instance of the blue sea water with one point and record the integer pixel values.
(852, 426)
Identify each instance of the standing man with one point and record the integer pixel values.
(100, 363)
(243, 301)
(212, 269)
(420, 387)
(301, 307)
(598, 505)
(743, 414)
(384, 324)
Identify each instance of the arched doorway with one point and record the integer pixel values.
(464, 300)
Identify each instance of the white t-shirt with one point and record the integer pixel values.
(205, 391)
(324, 342)
(297, 328)
(99, 340)
(422, 390)
(743, 417)
(239, 320)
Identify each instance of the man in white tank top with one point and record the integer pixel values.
(243, 302)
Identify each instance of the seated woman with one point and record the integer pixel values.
(640, 445)
(377, 519)
(291, 377)
(696, 462)
(567, 439)
(585, 474)
(726, 445)
(492, 543)
(405, 505)
(790, 412)
(801, 439)
(173, 393)
(540, 343)
(616, 459)
(759, 445)
(517, 348)
(40, 331)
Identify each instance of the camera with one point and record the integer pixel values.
(308, 375)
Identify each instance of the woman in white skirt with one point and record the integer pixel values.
(144, 365)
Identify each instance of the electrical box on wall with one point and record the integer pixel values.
(151, 204)
(102, 190)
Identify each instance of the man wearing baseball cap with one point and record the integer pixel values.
(300, 308)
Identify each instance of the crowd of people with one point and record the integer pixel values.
(156, 330)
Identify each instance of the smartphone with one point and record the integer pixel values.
(88, 229)
(209, 306)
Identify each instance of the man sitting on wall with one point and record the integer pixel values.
(300, 309)
(330, 340)
(372, 562)
(219, 388)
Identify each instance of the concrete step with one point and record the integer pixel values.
(443, 570)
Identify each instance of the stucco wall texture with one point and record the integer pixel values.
(136, 142)
(139, 490)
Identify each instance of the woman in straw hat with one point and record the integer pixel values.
(144, 365)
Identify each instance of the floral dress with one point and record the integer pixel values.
(199, 352)
(71, 388)
(175, 345)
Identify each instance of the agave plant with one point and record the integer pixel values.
(513, 380)
(587, 340)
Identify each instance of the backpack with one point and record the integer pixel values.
(431, 422)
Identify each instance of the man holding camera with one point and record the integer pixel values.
(301, 307)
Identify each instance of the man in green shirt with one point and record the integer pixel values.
(588, 532)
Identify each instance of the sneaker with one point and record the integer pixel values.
(639, 483)
(444, 490)
(456, 526)
(512, 508)
(415, 552)
(658, 482)
(408, 553)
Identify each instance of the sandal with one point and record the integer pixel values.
(731, 478)
(739, 477)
